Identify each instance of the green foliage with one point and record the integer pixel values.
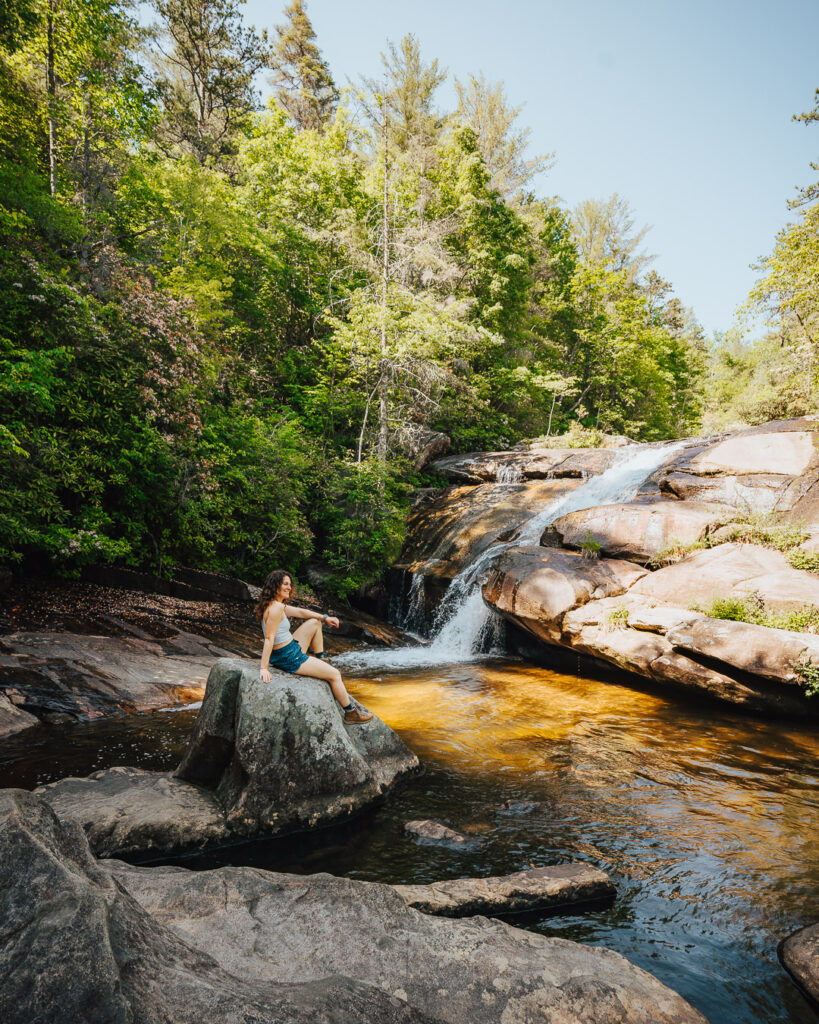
(807, 560)
(617, 618)
(768, 529)
(590, 548)
(362, 523)
(218, 325)
(808, 675)
(751, 608)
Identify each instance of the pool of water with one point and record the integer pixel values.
(707, 821)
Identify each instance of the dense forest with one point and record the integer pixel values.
(225, 325)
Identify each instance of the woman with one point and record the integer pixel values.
(288, 652)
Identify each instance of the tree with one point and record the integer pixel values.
(301, 78)
(605, 236)
(810, 193)
(207, 60)
(486, 110)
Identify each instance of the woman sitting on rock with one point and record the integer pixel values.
(288, 652)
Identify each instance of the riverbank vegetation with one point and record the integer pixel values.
(225, 325)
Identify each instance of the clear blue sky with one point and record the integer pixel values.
(684, 108)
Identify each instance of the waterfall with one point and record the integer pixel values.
(463, 623)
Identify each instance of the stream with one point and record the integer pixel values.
(707, 821)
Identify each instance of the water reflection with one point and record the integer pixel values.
(708, 821)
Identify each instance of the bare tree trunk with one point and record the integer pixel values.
(549, 427)
(385, 282)
(51, 88)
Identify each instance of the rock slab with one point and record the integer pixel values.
(130, 812)
(548, 888)
(279, 756)
(75, 946)
(263, 926)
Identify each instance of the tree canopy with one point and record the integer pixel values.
(223, 323)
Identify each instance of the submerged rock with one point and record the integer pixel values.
(436, 832)
(549, 888)
(265, 927)
(279, 756)
(799, 955)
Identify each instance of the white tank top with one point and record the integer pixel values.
(282, 633)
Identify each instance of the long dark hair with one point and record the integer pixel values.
(271, 589)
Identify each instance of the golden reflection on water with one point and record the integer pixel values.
(499, 713)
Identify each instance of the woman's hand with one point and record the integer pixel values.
(265, 675)
(331, 620)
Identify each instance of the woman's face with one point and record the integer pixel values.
(285, 587)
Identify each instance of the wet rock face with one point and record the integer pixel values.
(59, 676)
(526, 464)
(264, 926)
(75, 946)
(279, 756)
(13, 719)
(537, 889)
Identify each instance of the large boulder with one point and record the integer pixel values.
(75, 946)
(732, 570)
(637, 529)
(130, 812)
(279, 756)
(734, 662)
(264, 927)
(535, 587)
(799, 955)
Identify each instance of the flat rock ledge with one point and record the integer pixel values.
(264, 759)
(549, 888)
(270, 928)
(799, 955)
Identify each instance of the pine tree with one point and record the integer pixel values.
(207, 62)
(301, 78)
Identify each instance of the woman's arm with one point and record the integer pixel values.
(275, 614)
(306, 613)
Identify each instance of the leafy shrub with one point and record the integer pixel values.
(590, 548)
(807, 560)
(808, 675)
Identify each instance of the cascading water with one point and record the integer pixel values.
(463, 623)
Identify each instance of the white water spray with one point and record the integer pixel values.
(463, 622)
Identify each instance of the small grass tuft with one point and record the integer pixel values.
(617, 618)
(589, 547)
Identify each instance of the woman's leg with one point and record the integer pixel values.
(309, 637)
(321, 670)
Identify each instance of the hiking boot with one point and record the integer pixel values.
(355, 716)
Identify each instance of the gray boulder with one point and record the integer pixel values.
(13, 719)
(127, 811)
(799, 955)
(279, 756)
(437, 833)
(264, 927)
(75, 946)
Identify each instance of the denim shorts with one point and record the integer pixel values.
(288, 659)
